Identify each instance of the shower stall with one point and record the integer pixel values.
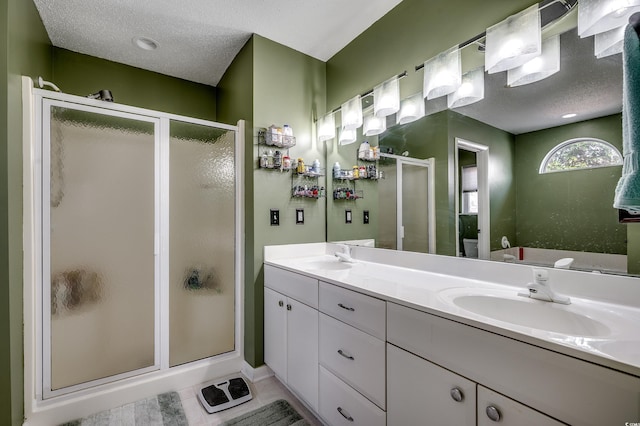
(132, 248)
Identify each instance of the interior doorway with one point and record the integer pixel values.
(472, 221)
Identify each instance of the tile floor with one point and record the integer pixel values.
(264, 392)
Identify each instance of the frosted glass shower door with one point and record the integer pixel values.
(99, 198)
(202, 223)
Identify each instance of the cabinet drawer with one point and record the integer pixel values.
(300, 287)
(361, 311)
(568, 389)
(342, 406)
(356, 357)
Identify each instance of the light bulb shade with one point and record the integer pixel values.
(609, 43)
(411, 109)
(540, 67)
(352, 113)
(373, 125)
(598, 16)
(326, 127)
(442, 74)
(471, 90)
(514, 41)
(386, 98)
(347, 137)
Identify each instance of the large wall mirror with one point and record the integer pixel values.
(471, 175)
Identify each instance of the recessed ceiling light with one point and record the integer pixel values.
(145, 43)
(569, 115)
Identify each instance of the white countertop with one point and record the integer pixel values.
(417, 281)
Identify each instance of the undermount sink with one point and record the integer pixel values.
(509, 308)
(328, 264)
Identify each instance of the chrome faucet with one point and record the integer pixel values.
(345, 254)
(539, 289)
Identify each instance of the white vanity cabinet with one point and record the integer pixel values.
(291, 331)
(420, 392)
(534, 379)
(352, 357)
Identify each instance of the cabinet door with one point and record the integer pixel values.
(275, 332)
(494, 408)
(302, 351)
(420, 392)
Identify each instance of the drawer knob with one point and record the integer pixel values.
(280, 303)
(345, 414)
(341, 352)
(348, 308)
(493, 413)
(456, 394)
(288, 306)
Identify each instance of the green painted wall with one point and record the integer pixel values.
(569, 210)
(235, 102)
(288, 88)
(25, 50)
(79, 74)
(337, 228)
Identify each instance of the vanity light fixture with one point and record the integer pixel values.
(347, 137)
(326, 127)
(471, 90)
(373, 125)
(352, 113)
(442, 74)
(411, 109)
(386, 98)
(598, 16)
(514, 41)
(540, 67)
(609, 43)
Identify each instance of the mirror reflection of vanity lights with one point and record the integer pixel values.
(547, 216)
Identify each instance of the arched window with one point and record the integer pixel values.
(580, 153)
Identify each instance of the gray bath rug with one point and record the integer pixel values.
(164, 409)
(278, 413)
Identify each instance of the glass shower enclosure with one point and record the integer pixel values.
(137, 230)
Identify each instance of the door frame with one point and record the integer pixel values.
(484, 219)
(429, 163)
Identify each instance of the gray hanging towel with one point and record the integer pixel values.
(627, 195)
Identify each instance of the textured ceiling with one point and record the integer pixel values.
(198, 39)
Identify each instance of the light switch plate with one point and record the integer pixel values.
(347, 216)
(365, 217)
(299, 216)
(274, 217)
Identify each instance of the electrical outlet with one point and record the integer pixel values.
(300, 216)
(347, 216)
(274, 217)
(365, 217)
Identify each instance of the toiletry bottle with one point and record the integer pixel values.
(286, 162)
(316, 166)
(272, 135)
(270, 159)
(277, 160)
(362, 172)
(356, 172)
(264, 160)
(287, 136)
(300, 169)
(336, 171)
(363, 151)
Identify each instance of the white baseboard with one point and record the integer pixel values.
(255, 374)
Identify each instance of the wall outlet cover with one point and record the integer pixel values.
(274, 217)
(347, 216)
